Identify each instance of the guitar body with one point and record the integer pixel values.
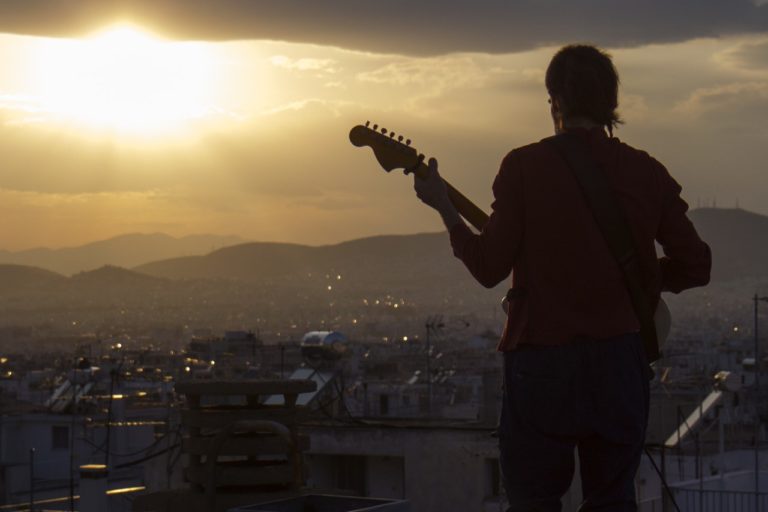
(393, 154)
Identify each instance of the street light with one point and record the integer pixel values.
(757, 299)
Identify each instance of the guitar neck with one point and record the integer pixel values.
(466, 208)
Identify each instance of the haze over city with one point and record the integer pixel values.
(210, 299)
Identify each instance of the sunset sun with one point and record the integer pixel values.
(124, 79)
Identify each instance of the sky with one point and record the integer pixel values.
(232, 117)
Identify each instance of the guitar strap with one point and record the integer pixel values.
(613, 224)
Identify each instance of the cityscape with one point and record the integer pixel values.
(280, 256)
(398, 368)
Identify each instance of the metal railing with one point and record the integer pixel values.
(695, 500)
(720, 501)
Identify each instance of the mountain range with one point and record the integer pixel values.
(390, 258)
(127, 250)
(379, 287)
(738, 238)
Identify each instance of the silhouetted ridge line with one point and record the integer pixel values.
(127, 250)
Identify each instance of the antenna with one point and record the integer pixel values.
(433, 324)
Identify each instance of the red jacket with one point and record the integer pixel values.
(542, 231)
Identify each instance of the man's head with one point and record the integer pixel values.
(583, 87)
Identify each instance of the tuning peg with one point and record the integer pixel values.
(367, 124)
(384, 131)
(400, 138)
(408, 142)
(375, 127)
(391, 134)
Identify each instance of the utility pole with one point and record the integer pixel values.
(757, 299)
(72, 413)
(434, 323)
(31, 480)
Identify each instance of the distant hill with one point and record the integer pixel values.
(396, 258)
(378, 287)
(19, 278)
(125, 251)
(739, 241)
(244, 261)
(110, 276)
(738, 238)
(105, 283)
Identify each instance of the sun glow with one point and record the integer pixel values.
(125, 79)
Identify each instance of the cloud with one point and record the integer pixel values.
(59, 159)
(729, 97)
(750, 56)
(303, 64)
(633, 107)
(428, 27)
(439, 72)
(19, 103)
(283, 112)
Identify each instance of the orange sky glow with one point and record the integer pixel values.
(125, 130)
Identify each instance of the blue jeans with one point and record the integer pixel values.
(588, 395)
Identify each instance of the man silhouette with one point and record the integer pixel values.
(575, 372)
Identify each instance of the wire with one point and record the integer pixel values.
(663, 480)
(322, 406)
(148, 457)
(340, 391)
(351, 420)
(102, 447)
(173, 459)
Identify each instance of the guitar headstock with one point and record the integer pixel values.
(391, 151)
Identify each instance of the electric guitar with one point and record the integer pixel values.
(394, 153)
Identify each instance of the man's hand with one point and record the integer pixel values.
(433, 192)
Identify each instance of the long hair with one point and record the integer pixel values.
(587, 84)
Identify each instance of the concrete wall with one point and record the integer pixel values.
(435, 469)
(19, 433)
(385, 476)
